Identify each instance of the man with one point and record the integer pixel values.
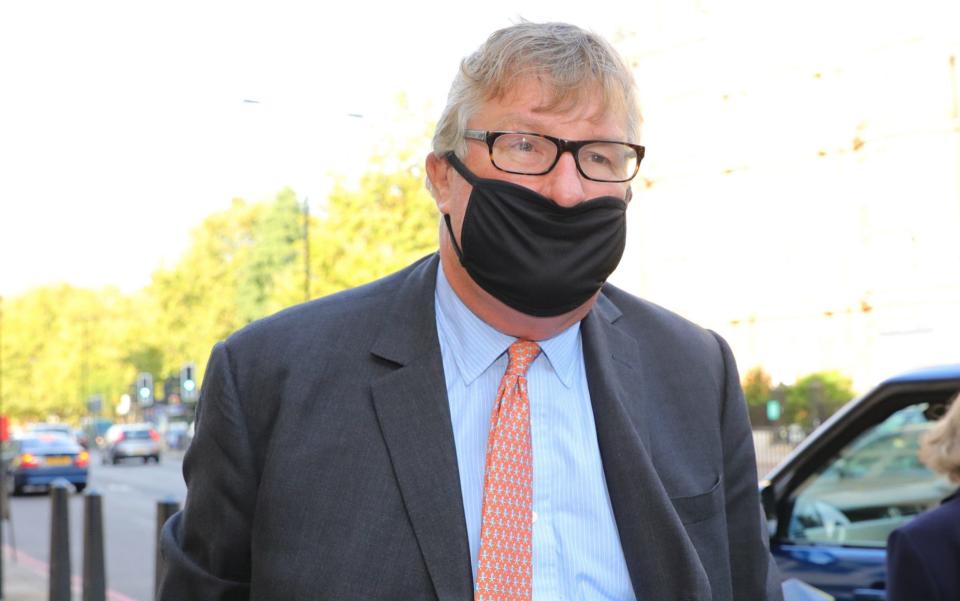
(493, 422)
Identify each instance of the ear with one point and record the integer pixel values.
(439, 180)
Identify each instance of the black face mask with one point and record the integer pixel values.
(532, 254)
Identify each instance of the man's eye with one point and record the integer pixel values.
(597, 159)
(522, 145)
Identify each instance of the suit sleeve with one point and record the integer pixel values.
(754, 574)
(206, 547)
(908, 576)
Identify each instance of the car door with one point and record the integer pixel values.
(834, 501)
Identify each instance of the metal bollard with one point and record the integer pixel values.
(60, 541)
(94, 571)
(165, 508)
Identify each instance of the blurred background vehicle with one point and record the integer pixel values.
(58, 428)
(36, 459)
(50, 427)
(82, 438)
(175, 431)
(832, 503)
(176, 436)
(123, 441)
(95, 428)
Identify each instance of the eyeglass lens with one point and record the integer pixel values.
(533, 155)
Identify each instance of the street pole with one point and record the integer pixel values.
(306, 249)
(84, 358)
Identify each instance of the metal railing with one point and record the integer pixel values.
(773, 444)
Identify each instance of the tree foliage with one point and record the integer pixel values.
(757, 386)
(387, 222)
(808, 401)
(62, 344)
(815, 397)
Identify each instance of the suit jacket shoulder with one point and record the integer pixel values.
(350, 317)
(676, 345)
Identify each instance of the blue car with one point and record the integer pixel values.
(36, 459)
(831, 504)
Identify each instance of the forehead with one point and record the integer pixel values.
(531, 106)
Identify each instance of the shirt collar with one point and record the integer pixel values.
(475, 345)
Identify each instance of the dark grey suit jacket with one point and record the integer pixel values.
(324, 466)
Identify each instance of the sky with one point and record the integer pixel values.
(124, 124)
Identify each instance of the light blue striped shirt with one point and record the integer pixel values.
(576, 547)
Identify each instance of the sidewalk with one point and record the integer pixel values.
(24, 579)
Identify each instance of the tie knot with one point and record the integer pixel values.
(521, 353)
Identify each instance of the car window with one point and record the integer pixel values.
(875, 484)
(49, 443)
(51, 428)
(137, 434)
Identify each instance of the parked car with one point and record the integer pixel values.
(831, 504)
(36, 459)
(123, 441)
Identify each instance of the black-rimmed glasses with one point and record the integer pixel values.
(526, 153)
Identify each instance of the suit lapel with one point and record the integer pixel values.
(414, 414)
(662, 561)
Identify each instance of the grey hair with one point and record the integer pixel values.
(571, 63)
(940, 446)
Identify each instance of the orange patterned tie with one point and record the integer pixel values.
(505, 570)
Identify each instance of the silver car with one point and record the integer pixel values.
(123, 441)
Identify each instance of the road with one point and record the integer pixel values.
(130, 493)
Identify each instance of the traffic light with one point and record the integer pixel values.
(145, 389)
(188, 382)
(773, 410)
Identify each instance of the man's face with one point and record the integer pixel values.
(517, 112)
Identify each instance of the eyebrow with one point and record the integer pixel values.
(517, 122)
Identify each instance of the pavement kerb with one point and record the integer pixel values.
(24, 577)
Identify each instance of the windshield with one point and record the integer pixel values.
(49, 443)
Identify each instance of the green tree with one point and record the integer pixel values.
(63, 344)
(274, 257)
(815, 397)
(196, 302)
(384, 223)
(757, 386)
